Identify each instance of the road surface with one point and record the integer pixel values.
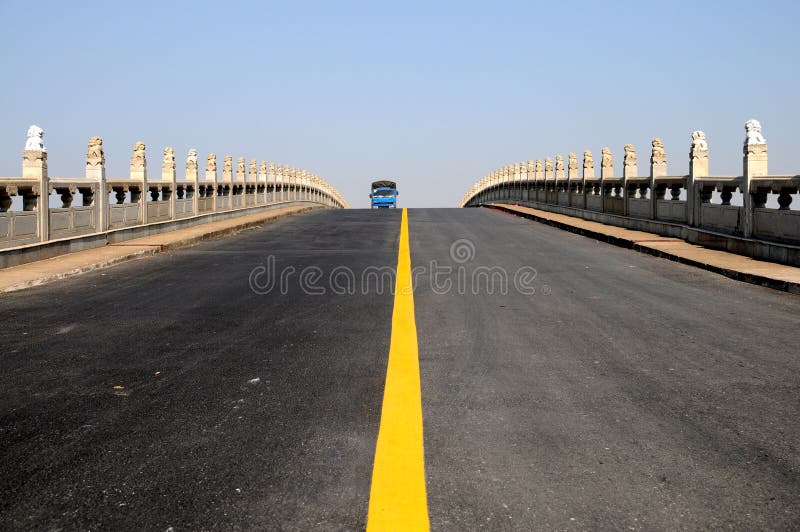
(597, 388)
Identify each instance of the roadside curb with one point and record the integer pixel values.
(148, 251)
(761, 280)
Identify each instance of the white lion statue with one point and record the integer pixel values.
(699, 140)
(35, 142)
(752, 128)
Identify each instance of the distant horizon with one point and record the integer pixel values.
(431, 96)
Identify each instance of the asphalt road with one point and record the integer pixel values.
(605, 389)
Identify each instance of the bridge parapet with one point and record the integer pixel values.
(752, 206)
(37, 209)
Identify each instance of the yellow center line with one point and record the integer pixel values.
(397, 500)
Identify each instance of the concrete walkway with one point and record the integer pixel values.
(45, 271)
(739, 267)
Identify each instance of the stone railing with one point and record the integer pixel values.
(37, 209)
(728, 207)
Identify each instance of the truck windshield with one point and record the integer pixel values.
(383, 193)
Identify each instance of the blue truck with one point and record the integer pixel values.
(384, 195)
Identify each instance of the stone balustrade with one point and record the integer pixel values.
(28, 216)
(721, 211)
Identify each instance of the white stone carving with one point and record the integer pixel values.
(607, 161)
(138, 159)
(588, 160)
(658, 155)
(95, 156)
(699, 145)
(168, 161)
(35, 140)
(630, 158)
(752, 128)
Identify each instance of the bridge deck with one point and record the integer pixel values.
(627, 391)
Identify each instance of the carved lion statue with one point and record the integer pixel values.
(607, 161)
(753, 130)
(630, 155)
(658, 155)
(138, 157)
(559, 162)
(169, 157)
(227, 164)
(699, 140)
(35, 140)
(211, 162)
(588, 159)
(548, 164)
(95, 156)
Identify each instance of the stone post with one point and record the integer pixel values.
(293, 184)
(658, 168)
(227, 180)
(211, 180)
(191, 175)
(138, 172)
(250, 179)
(630, 170)
(261, 181)
(168, 174)
(211, 167)
(658, 160)
(572, 177)
(271, 181)
(168, 165)
(588, 165)
(241, 179)
(538, 176)
(191, 165)
(279, 182)
(606, 172)
(240, 170)
(227, 169)
(96, 171)
(139, 162)
(606, 164)
(549, 179)
(630, 162)
(698, 167)
(561, 177)
(34, 167)
(529, 176)
(588, 173)
(754, 164)
(252, 171)
(298, 183)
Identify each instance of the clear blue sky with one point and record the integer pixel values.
(434, 94)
